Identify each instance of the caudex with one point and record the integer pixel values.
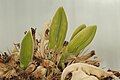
(51, 57)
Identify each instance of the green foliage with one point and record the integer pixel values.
(81, 37)
(79, 42)
(80, 28)
(58, 29)
(26, 51)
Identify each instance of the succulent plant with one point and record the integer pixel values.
(51, 57)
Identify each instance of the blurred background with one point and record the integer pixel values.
(17, 16)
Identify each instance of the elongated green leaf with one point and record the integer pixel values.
(54, 29)
(82, 39)
(87, 42)
(62, 30)
(58, 29)
(79, 42)
(80, 28)
(26, 50)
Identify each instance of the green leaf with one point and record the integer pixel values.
(58, 29)
(62, 30)
(79, 42)
(82, 39)
(26, 51)
(87, 41)
(80, 28)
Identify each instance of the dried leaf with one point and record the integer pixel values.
(40, 72)
(84, 69)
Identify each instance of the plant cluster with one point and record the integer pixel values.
(51, 57)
